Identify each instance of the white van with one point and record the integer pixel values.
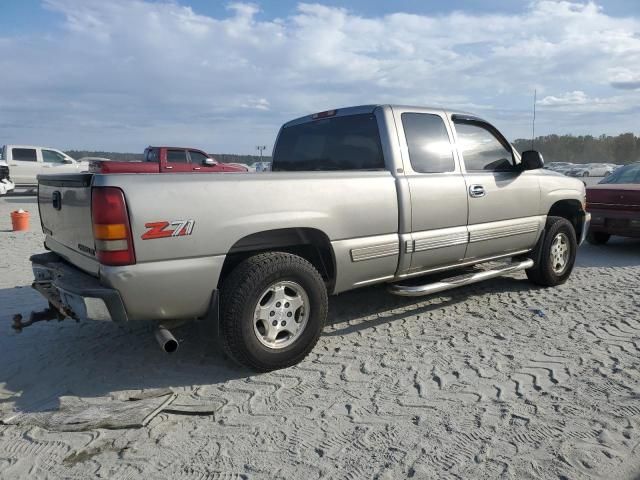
(27, 161)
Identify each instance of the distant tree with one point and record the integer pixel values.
(621, 149)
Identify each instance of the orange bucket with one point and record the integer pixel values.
(20, 221)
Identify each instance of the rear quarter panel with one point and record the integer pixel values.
(354, 210)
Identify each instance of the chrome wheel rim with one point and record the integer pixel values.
(281, 314)
(560, 253)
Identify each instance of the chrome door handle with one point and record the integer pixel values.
(168, 167)
(196, 168)
(476, 191)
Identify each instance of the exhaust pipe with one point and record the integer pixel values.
(166, 340)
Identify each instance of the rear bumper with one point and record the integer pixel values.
(625, 223)
(6, 185)
(74, 293)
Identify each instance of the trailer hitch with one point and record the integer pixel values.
(49, 313)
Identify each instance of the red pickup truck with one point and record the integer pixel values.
(167, 159)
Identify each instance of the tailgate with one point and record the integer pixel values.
(65, 213)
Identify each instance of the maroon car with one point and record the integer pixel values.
(615, 205)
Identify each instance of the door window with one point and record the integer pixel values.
(197, 158)
(49, 156)
(25, 154)
(482, 150)
(428, 143)
(177, 156)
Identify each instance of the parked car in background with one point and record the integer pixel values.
(167, 160)
(6, 184)
(557, 165)
(591, 170)
(564, 169)
(27, 161)
(357, 196)
(614, 204)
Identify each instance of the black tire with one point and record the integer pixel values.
(242, 291)
(543, 273)
(598, 238)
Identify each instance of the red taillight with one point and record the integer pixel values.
(111, 229)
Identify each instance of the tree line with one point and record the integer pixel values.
(621, 149)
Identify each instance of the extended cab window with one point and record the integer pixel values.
(428, 142)
(197, 157)
(24, 154)
(481, 149)
(338, 143)
(49, 156)
(177, 156)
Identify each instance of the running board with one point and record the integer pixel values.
(459, 281)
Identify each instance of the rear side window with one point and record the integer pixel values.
(177, 156)
(25, 154)
(482, 150)
(339, 143)
(428, 143)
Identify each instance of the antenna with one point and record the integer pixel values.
(533, 123)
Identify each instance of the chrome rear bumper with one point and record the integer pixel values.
(74, 293)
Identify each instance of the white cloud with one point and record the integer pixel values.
(570, 98)
(625, 79)
(125, 73)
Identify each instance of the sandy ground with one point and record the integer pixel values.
(497, 380)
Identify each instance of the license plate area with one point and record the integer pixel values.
(617, 223)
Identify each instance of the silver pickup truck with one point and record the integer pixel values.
(356, 196)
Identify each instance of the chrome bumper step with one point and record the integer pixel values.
(459, 281)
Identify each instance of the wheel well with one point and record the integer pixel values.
(311, 244)
(572, 211)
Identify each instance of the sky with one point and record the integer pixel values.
(119, 75)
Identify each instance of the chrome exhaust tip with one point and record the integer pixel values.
(166, 340)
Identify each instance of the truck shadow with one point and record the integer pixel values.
(617, 252)
(95, 359)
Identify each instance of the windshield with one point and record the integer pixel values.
(339, 143)
(626, 174)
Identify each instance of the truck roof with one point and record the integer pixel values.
(173, 147)
(361, 109)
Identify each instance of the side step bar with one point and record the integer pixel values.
(459, 281)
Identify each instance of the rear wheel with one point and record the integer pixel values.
(598, 238)
(557, 255)
(274, 306)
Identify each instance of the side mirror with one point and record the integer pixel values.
(532, 160)
(210, 161)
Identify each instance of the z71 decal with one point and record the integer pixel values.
(177, 228)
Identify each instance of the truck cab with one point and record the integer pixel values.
(28, 161)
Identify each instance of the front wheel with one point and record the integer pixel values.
(557, 255)
(274, 306)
